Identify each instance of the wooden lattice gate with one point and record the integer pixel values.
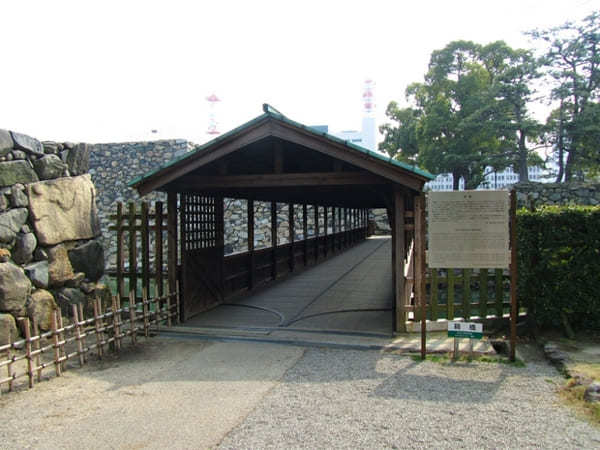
(202, 239)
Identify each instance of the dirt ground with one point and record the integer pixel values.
(164, 393)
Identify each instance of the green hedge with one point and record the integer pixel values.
(559, 266)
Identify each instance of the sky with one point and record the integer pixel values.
(112, 71)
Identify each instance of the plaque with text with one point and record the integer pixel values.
(468, 229)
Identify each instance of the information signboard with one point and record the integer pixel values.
(468, 330)
(468, 229)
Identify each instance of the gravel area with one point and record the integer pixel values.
(367, 399)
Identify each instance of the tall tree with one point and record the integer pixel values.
(400, 138)
(572, 60)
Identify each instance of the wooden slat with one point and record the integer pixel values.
(132, 249)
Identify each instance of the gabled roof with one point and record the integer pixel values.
(150, 181)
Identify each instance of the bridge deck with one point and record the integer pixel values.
(349, 292)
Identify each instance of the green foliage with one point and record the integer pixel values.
(559, 265)
(400, 141)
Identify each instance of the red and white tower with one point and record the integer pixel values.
(368, 121)
(212, 100)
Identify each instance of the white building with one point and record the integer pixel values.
(493, 180)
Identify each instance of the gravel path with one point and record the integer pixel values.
(366, 399)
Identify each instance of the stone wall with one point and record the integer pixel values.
(114, 165)
(533, 195)
(49, 252)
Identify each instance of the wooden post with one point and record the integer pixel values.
(274, 240)
(172, 240)
(333, 229)
(291, 220)
(145, 311)
(9, 366)
(305, 234)
(250, 204)
(55, 337)
(513, 274)
(116, 326)
(316, 211)
(158, 248)
(132, 248)
(325, 230)
(82, 319)
(398, 252)
(61, 343)
(145, 236)
(420, 268)
(120, 253)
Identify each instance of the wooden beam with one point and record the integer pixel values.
(420, 269)
(281, 179)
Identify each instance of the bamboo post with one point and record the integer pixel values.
(83, 338)
(9, 366)
(119, 322)
(28, 351)
(36, 346)
(97, 329)
(77, 334)
(53, 324)
(145, 310)
(61, 335)
(132, 316)
(115, 321)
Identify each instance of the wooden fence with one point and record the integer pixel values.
(107, 329)
(466, 293)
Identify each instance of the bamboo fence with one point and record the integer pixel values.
(107, 329)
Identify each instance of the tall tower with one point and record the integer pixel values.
(212, 117)
(368, 121)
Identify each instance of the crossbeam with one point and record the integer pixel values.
(279, 180)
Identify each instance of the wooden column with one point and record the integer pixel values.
(305, 234)
(325, 229)
(291, 221)
(158, 247)
(274, 240)
(420, 269)
(333, 229)
(172, 241)
(513, 275)
(250, 204)
(398, 257)
(316, 211)
(220, 241)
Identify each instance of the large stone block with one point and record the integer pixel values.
(59, 267)
(13, 172)
(40, 307)
(89, 259)
(64, 209)
(49, 167)
(10, 224)
(24, 247)
(6, 142)
(14, 289)
(38, 273)
(27, 143)
(78, 159)
(8, 329)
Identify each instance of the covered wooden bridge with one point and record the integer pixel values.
(276, 160)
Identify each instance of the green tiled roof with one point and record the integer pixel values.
(272, 113)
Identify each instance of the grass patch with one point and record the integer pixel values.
(572, 396)
(446, 358)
